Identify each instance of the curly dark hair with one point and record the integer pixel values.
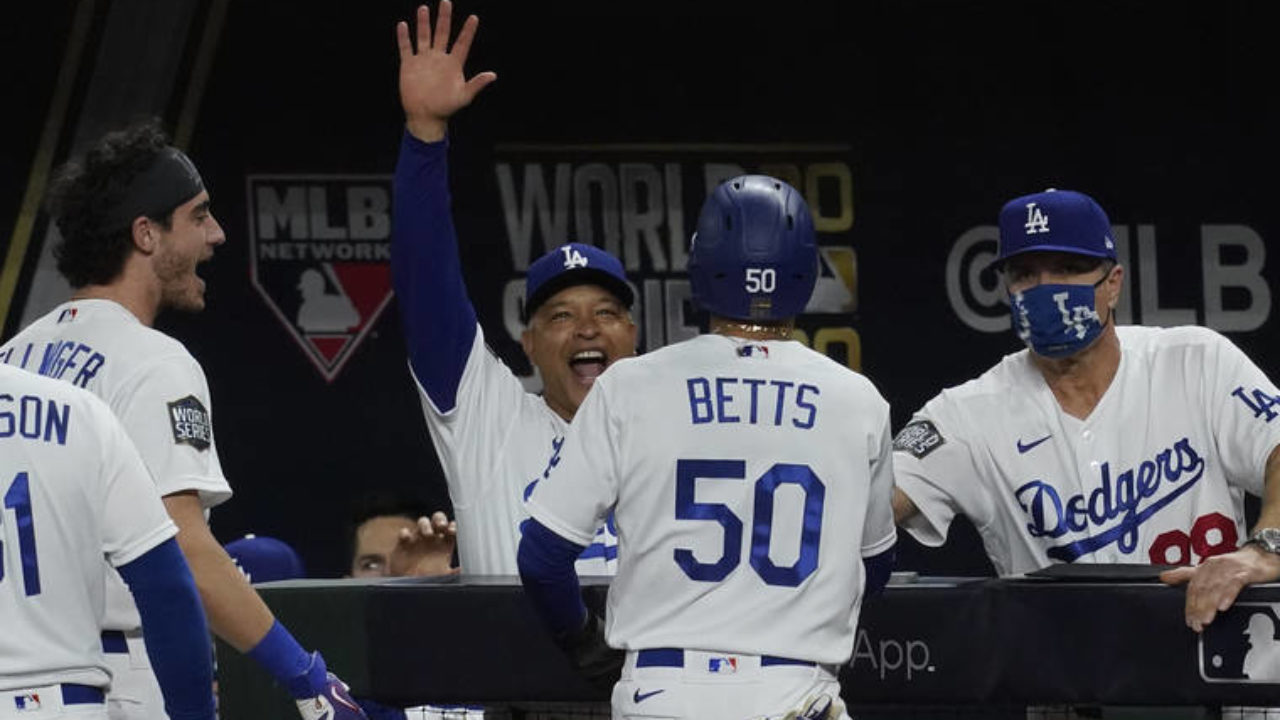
(83, 192)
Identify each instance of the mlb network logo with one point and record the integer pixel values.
(320, 256)
(1243, 645)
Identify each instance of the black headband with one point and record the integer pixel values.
(169, 181)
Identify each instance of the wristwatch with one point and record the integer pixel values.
(1267, 538)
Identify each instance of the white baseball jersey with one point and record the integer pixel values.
(1156, 474)
(153, 385)
(495, 445)
(749, 477)
(74, 491)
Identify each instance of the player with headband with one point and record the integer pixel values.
(135, 224)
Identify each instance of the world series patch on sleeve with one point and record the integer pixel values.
(190, 422)
(918, 438)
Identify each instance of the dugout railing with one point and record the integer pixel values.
(987, 644)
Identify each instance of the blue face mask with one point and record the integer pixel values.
(1056, 320)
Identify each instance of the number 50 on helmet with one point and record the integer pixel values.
(754, 255)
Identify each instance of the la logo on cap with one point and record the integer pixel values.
(1037, 221)
(572, 258)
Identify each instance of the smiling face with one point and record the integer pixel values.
(572, 338)
(189, 241)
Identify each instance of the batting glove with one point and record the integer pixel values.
(322, 696)
(822, 707)
(600, 664)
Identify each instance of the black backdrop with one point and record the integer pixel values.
(938, 112)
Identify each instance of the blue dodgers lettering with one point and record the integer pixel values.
(731, 400)
(1180, 466)
(34, 418)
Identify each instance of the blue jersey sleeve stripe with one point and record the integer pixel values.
(879, 568)
(437, 316)
(546, 570)
(177, 634)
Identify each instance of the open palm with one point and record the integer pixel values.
(432, 84)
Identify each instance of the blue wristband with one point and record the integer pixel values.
(303, 674)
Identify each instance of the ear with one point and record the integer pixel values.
(145, 235)
(526, 340)
(1115, 282)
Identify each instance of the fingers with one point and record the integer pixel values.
(1177, 576)
(424, 28)
(1213, 588)
(478, 83)
(444, 17)
(438, 527)
(402, 40)
(462, 43)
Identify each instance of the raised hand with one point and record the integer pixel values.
(432, 84)
(427, 549)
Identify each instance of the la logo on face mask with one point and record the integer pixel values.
(1037, 221)
(1074, 319)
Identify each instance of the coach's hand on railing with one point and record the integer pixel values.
(1213, 585)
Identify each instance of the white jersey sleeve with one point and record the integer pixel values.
(75, 493)
(1243, 405)
(165, 408)
(933, 465)
(879, 532)
(134, 518)
(585, 485)
(485, 413)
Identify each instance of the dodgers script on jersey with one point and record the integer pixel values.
(151, 383)
(747, 477)
(75, 491)
(495, 445)
(1156, 474)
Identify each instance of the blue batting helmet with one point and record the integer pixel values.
(754, 254)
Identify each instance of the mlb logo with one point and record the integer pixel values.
(754, 351)
(27, 702)
(723, 665)
(67, 315)
(1243, 645)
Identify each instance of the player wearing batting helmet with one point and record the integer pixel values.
(741, 467)
(1099, 443)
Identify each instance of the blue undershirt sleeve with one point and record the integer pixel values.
(546, 563)
(878, 568)
(177, 635)
(437, 316)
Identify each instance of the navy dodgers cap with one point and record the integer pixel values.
(1055, 220)
(570, 265)
(265, 559)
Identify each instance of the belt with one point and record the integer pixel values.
(113, 641)
(75, 694)
(72, 694)
(674, 657)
